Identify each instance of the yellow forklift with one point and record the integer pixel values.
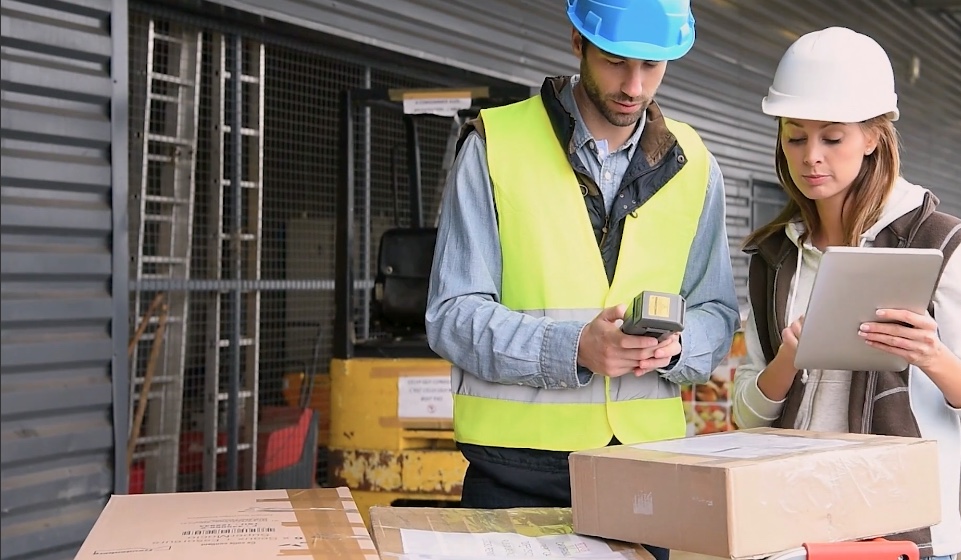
(391, 429)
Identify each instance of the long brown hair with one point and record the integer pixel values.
(865, 199)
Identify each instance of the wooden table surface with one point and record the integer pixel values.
(675, 555)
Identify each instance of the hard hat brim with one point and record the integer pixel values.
(779, 105)
(636, 50)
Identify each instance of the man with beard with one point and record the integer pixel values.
(558, 211)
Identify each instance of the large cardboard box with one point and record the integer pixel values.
(318, 524)
(752, 493)
(444, 533)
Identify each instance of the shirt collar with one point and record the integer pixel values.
(582, 135)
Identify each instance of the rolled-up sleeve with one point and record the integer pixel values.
(750, 407)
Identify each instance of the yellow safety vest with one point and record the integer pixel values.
(552, 268)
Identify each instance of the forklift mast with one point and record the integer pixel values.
(398, 295)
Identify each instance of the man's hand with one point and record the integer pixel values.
(605, 350)
(661, 355)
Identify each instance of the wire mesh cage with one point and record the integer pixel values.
(232, 220)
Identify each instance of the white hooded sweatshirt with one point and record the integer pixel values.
(825, 401)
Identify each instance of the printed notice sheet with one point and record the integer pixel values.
(737, 445)
(424, 397)
(430, 545)
(442, 106)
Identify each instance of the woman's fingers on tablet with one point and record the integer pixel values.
(907, 318)
(909, 335)
(796, 326)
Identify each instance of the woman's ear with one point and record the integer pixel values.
(871, 144)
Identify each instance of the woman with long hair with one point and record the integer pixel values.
(837, 158)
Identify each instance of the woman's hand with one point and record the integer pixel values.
(776, 379)
(789, 341)
(909, 335)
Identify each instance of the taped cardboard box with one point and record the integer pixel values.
(462, 534)
(316, 524)
(753, 493)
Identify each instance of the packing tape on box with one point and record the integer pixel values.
(331, 528)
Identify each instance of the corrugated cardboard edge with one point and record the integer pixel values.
(585, 515)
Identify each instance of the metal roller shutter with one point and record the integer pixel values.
(63, 122)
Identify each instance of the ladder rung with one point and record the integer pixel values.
(160, 158)
(138, 379)
(243, 131)
(149, 336)
(156, 379)
(171, 79)
(155, 395)
(146, 454)
(167, 38)
(240, 447)
(165, 199)
(143, 440)
(243, 236)
(240, 394)
(244, 78)
(164, 139)
(170, 319)
(244, 184)
(162, 259)
(161, 97)
(158, 218)
(243, 342)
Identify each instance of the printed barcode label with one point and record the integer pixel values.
(229, 531)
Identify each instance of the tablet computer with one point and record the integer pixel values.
(851, 284)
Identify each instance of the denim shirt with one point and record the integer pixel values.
(468, 326)
(606, 166)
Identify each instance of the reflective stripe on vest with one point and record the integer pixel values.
(552, 268)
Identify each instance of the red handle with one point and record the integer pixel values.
(878, 549)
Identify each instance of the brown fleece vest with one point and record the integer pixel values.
(879, 401)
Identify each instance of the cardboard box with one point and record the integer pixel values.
(319, 524)
(437, 533)
(752, 493)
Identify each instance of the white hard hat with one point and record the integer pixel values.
(835, 75)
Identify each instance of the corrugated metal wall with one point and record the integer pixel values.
(61, 81)
(717, 88)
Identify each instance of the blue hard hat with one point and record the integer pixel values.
(641, 29)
